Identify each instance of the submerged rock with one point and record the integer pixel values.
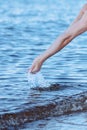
(56, 107)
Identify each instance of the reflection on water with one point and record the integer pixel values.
(27, 28)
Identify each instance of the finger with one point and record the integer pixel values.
(31, 69)
(34, 71)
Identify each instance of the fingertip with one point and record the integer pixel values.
(29, 70)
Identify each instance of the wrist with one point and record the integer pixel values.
(42, 58)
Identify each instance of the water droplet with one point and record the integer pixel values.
(37, 80)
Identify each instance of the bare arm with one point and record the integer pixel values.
(73, 31)
(81, 13)
(76, 28)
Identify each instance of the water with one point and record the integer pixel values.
(37, 80)
(27, 28)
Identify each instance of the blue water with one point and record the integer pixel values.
(27, 28)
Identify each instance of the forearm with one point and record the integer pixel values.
(59, 43)
(77, 27)
(73, 31)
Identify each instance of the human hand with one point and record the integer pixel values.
(36, 65)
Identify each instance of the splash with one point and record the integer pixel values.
(37, 80)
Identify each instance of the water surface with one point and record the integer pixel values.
(27, 28)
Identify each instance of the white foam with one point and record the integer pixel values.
(37, 80)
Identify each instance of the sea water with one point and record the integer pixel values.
(37, 80)
(27, 29)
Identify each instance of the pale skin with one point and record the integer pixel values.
(78, 27)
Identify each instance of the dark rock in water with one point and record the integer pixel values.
(57, 107)
(53, 87)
